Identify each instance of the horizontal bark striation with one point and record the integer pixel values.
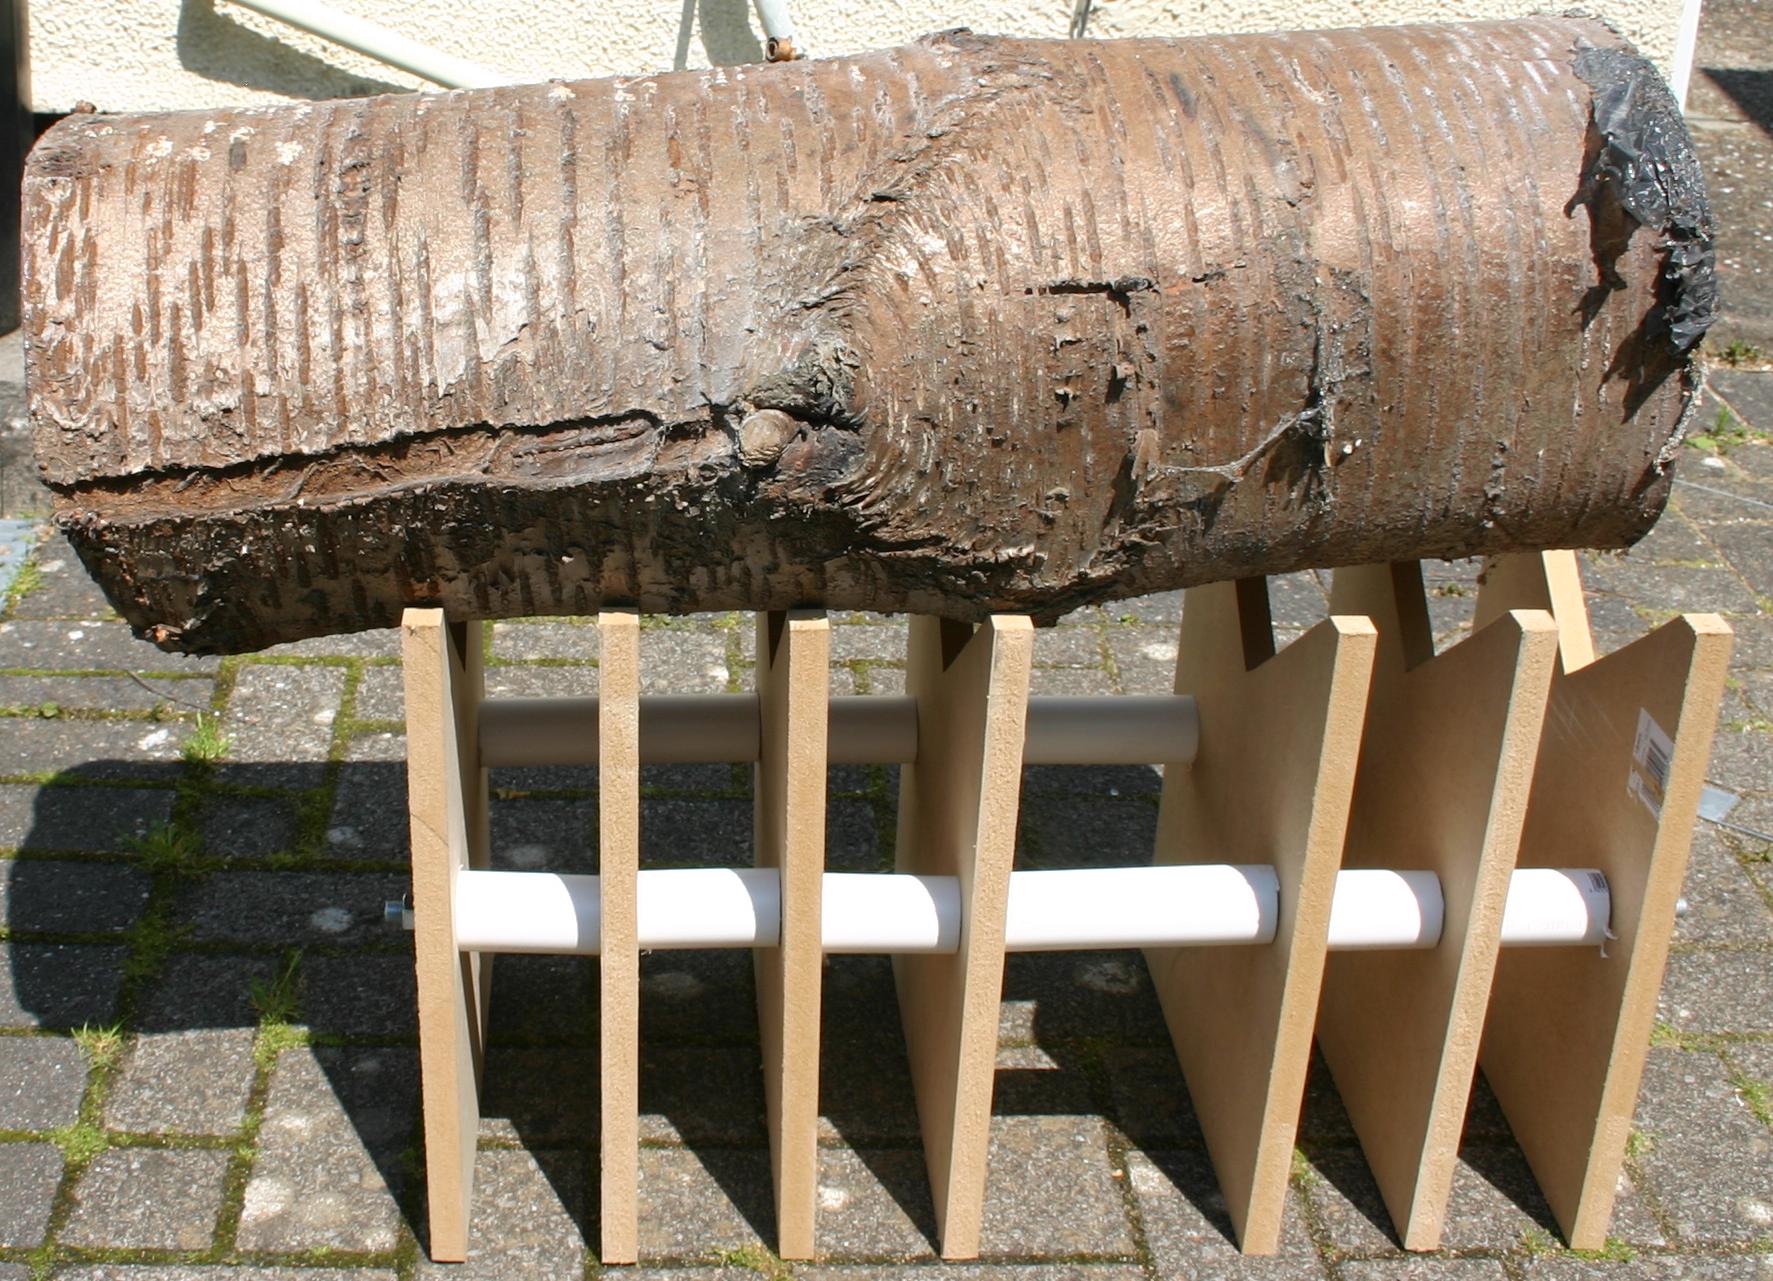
(967, 326)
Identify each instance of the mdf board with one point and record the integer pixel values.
(1271, 783)
(1446, 765)
(957, 817)
(1616, 788)
(618, 863)
(793, 692)
(442, 777)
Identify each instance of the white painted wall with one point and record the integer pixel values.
(135, 55)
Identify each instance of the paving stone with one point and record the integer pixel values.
(1682, 1267)
(41, 1081)
(697, 997)
(1151, 1102)
(381, 695)
(865, 1094)
(1717, 992)
(247, 826)
(105, 693)
(360, 995)
(1723, 903)
(1189, 1230)
(206, 990)
(879, 642)
(1093, 781)
(874, 1204)
(1495, 1202)
(1030, 1157)
(1070, 682)
(329, 1167)
(369, 816)
(67, 591)
(1051, 997)
(1749, 551)
(1423, 1269)
(549, 681)
(183, 1083)
(29, 1176)
(52, 896)
(520, 1099)
(1346, 1202)
(59, 985)
(680, 661)
(528, 1219)
(852, 837)
(684, 832)
(1068, 647)
(1059, 832)
(545, 638)
(543, 1000)
(206, 1272)
(698, 1204)
(884, 678)
(88, 646)
(279, 724)
(1298, 600)
(1672, 538)
(676, 1104)
(537, 835)
(1742, 758)
(288, 909)
(84, 819)
(147, 1199)
(971, 1272)
(1680, 588)
(1709, 1162)
(74, 749)
(379, 642)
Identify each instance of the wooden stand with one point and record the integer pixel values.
(1616, 788)
(1513, 747)
(1271, 784)
(1445, 769)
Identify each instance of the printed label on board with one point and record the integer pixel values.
(1651, 752)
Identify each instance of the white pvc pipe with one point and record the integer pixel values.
(1375, 909)
(1686, 46)
(1190, 905)
(379, 43)
(778, 28)
(1557, 907)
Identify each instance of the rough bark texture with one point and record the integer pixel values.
(967, 326)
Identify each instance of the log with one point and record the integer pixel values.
(972, 325)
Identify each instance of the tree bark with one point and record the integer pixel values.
(967, 326)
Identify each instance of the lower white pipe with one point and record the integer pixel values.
(1191, 905)
(379, 43)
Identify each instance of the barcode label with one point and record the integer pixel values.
(1651, 751)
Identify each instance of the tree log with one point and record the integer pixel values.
(967, 326)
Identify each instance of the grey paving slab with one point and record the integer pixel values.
(51, 695)
(874, 1204)
(329, 1166)
(1750, 394)
(528, 1221)
(248, 827)
(1057, 832)
(147, 1199)
(381, 695)
(697, 997)
(75, 645)
(183, 1083)
(677, 1105)
(1067, 996)
(54, 896)
(1723, 903)
(381, 642)
(971, 1272)
(205, 990)
(1151, 1102)
(521, 1098)
(66, 590)
(1671, 587)
(543, 1000)
(545, 681)
(367, 995)
(1071, 682)
(1678, 1267)
(692, 832)
(543, 834)
(369, 816)
(698, 1204)
(59, 985)
(1081, 646)
(1495, 1203)
(29, 1176)
(85, 819)
(680, 661)
(1030, 1157)
(519, 641)
(41, 1081)
(214, 1272)
(1423, 1270)
(279, 724)
(289, 909)
(1189, 1231)
(101, 749)
(882, 641)
(1717, 992)
(1708, 1161)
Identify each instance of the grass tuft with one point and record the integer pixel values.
(103, 1046)
(207, 743)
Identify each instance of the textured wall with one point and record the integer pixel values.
(130, 55)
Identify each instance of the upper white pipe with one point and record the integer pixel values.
(379, 43)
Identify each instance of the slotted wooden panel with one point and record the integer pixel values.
(618, 837)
